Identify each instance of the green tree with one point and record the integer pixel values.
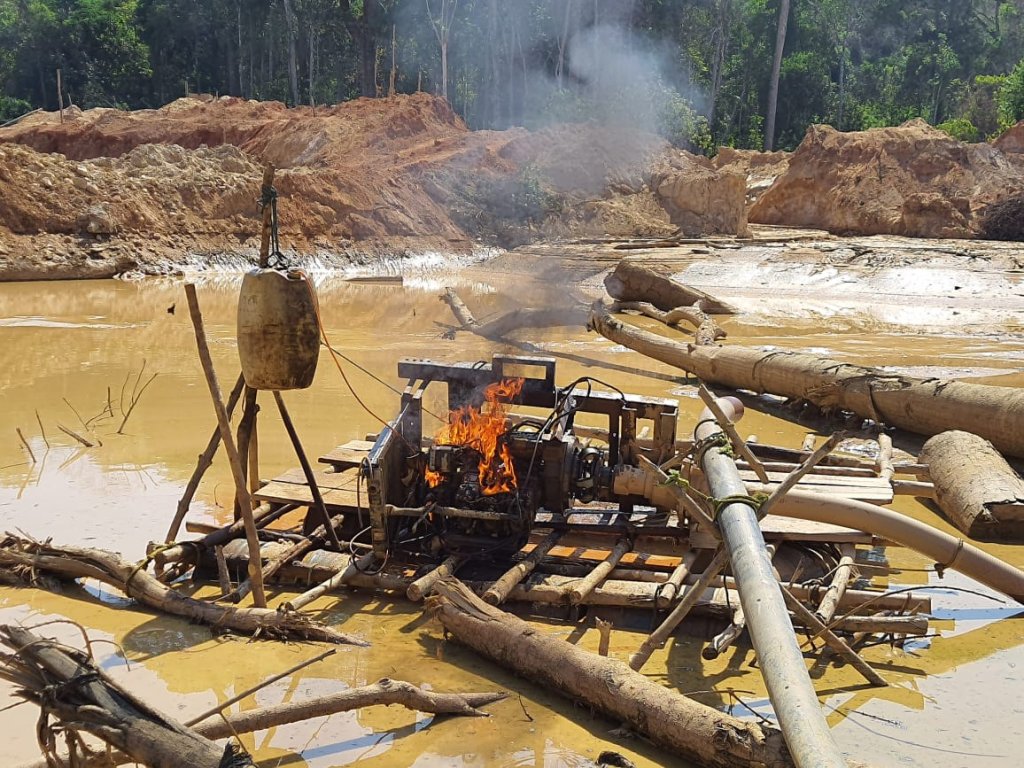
(1011, 96)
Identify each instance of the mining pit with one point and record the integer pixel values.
(377, 198)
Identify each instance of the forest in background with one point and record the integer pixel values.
(702, 73)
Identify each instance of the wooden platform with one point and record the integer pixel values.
(338, 489)
(874, 490)
(350, 454)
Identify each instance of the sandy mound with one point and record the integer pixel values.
(699, 198)
(1012, 140)
(760, 168)
(911, 180)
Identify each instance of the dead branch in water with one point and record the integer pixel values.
(74, 435)
(42, 431)
(74, 694)
(525, 317)
(24, 442)
(136, 395)
(27, 559)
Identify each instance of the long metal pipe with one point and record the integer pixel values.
(782, 664)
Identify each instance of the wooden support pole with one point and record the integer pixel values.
(499, 590)
(205, 460)
(246, 426)
(790, 481)
(584, 587)
(837, 587)
(424, 585)
(267, 190)
(604, 629)
(738, 443)
(223, 577)
(333, 583)
(677, 578)
(885, 466)
(255, 575)
(721, 642)
(296, 550)
(833, 640)
(658, 637)
(307, 470)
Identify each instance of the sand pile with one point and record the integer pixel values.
(910, 180)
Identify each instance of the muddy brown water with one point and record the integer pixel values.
(954, 700)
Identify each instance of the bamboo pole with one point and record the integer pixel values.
(255, 574)
(884, 464)
(721, 642)
(267, 190)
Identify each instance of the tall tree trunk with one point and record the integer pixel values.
(239, 52)
(293, 63)
(773, 91)
(718, 59)
(312, 64)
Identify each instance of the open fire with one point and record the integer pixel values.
(482, 431)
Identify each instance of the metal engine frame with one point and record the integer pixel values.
(387, 468)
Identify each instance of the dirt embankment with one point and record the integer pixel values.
(107, 191)
(909, 180)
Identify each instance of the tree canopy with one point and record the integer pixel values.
(697, 71)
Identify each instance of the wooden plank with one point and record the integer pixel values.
(789, 529)
(344, 481)
(350, 454)
(837, 480)
(293, 493)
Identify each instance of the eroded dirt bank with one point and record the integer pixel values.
(107, 192)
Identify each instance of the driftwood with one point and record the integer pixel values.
(526, 317)
(671, 720)
(707, 330)
(925, 406)
(73, 691)
(43, 670)
(975, 487)
(632, 281)
(28, 559)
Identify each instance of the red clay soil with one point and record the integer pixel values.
(366, 177)
(909, 180)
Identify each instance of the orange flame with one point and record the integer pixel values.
(482, 431)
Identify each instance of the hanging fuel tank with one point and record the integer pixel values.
(278, 331)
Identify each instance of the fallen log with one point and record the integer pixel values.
(925, 406)
(975, 487)
(27, 559)
(632, 281)
(673, 721)
(71, 689)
